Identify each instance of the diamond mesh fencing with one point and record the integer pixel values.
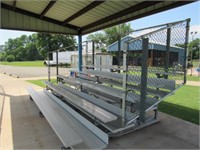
(162, 71)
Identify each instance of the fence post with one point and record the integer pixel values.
(167, 51)
(124, 85)
(57, 64)
(143, 90)
(119, 53)
(93, 54)
(186, 50)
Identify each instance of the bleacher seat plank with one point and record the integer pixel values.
(56, 118)
(83, 104)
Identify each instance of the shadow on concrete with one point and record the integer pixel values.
(2, 99)
(33, 132)
(29, 130)
(185, 113)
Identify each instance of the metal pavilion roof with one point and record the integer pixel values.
(76, 16)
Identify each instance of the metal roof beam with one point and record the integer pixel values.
(14, 4)
(122, 13)
(51, 3)
(174, 5)
(28, 13)
(83, 11)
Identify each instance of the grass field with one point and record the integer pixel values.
(196, 63)
(183, 104)
(39, 82)
(24, 63)
(193, 78)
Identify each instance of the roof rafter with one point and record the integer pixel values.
(171, 6)
(83, 11)
(28, 13)
(122, 13)
(51, 3)
(14, 4)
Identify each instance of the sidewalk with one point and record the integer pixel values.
(193, 83)
(21, 127)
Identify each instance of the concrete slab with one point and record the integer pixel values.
(168, 133)
(28, 72)
(22, 128)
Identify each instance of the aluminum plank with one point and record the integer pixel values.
(56, 118)
(152, 82)
(91, 127)
(83, 104)
(132, 97)
(98, 102)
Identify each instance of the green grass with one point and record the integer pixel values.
(193, 78)
(39, 82)
(183, 104)
(196, 63)
(23, 63)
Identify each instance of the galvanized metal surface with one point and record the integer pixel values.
(64, 9)
(132, 97)
(88, 107)
(33, 5)
(56, 118)
(154, 82)
(18, 21)
(111, 108)
(186, 49)
(143, 91)
(107, 14)
(91, 127)
(80, 52)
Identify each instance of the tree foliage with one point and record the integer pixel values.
(194, 48)
(49, 42)
(112, 34)
(35, 46)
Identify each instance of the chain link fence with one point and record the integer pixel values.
(155, 65)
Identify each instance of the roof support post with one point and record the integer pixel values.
(186, 50)
(80, 52)
(143, 90)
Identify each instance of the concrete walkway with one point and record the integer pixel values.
(22, 128)
(29, 72)
(193, 83)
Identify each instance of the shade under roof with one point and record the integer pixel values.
(76, 16)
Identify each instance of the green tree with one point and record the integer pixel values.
(10, 58)
(112, 34)
(35, 46)
(32, 52)
(47, 42)
(117, 32)
(16, 47)
(194, 48)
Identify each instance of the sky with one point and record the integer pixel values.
(188, 11)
